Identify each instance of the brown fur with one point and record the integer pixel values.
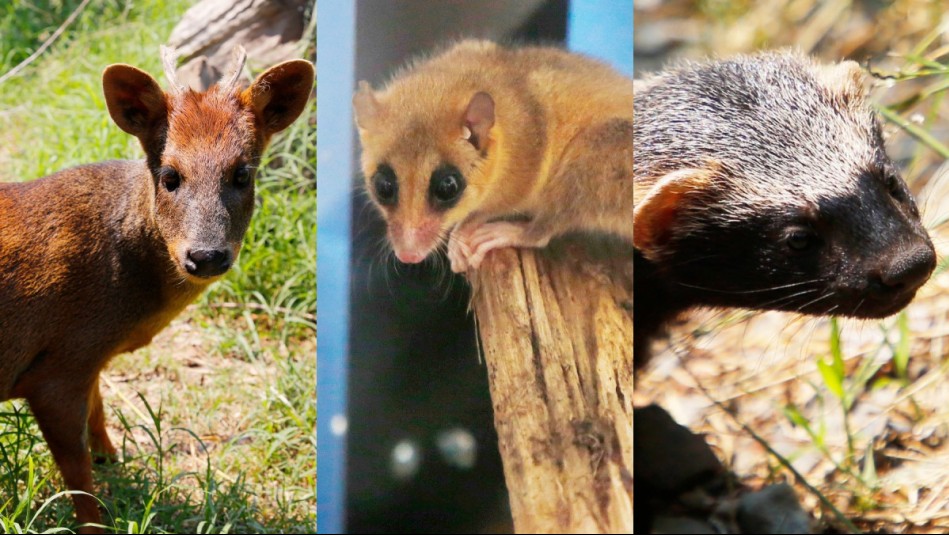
(557, 149)
(91, 258)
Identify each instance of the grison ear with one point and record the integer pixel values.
(366, 108)
(280, 93)
(135, 100)
(846, 78)
(655, 214)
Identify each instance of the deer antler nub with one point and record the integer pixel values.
(168, 59)
(229, 83)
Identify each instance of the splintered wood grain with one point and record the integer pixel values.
(557, 335)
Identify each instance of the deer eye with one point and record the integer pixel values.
(169, 178)
(243, 176)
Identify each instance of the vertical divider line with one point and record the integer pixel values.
(335, 72)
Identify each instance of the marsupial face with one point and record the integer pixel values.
(768, 187)
(424, 160)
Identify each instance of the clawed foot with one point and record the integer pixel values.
(467, 246)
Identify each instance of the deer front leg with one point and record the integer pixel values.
(61, 410)
(102, 449)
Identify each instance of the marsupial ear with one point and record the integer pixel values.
(479, 118)
(365, 106)
(655, 214)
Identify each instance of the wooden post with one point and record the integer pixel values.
(556, 330)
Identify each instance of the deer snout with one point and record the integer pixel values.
(206, 263)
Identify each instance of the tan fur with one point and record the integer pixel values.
(559, 151)
(91, 258)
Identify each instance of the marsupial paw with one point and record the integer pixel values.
(457, 258)
(458, 249)
(497, 235)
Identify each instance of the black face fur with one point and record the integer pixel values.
(445, 187)
(861, 255)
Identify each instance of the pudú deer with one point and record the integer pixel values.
(95, 260)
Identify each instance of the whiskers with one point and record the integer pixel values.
(753, 291)
(378, 264)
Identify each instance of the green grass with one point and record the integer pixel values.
(216, 419)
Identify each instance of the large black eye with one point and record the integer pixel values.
(169, 178)
(385, 186)
(243, 176)
(800, 240)
(446, 186)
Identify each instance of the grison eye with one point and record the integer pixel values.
(894, 186)
(385, 186)
(169, 178)
(800, 240)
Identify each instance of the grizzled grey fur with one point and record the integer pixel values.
(781, 135)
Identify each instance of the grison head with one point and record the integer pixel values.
(762, 182)
(202, 151)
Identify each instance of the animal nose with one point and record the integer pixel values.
(207, 262)
(909, 270)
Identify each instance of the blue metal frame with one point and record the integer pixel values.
(604, 29)
(336, 44)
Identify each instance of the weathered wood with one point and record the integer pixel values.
(557, 335)
(270, 31)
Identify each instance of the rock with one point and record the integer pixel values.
(773, 509)
(670, 525)
(669, 458)
(669, 462)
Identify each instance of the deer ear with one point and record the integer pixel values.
(655, 214)
(478, 120)
(279, 95)
(135, 100)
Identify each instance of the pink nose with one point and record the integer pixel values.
(409, 257)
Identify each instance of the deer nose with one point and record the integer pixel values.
(207, 262)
